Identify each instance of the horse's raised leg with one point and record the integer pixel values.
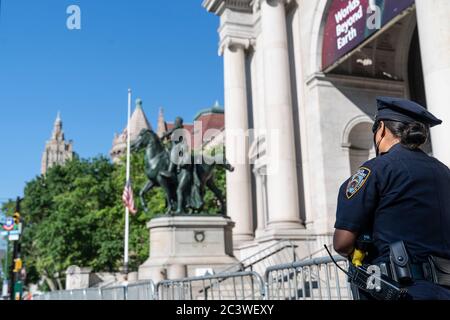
(218, 194)
(148, 186)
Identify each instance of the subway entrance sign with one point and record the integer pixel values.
(13, 231)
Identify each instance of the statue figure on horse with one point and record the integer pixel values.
(183, 180)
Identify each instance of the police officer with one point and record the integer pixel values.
(401, 196)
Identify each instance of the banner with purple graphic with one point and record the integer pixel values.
(347, 24)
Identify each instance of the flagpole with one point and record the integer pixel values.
(127, 210)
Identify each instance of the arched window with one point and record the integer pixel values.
(358, 140)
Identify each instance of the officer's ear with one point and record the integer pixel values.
(382, 126)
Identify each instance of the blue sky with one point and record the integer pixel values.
(166, 51)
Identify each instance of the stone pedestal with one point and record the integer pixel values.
(186, 246)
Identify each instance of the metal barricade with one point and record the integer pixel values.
(92, 294)
(315, 279)
(40, 297)
(86, 294)
(232, 286)
(114, 293)
(141, 291)
(277, 253)
(81, 294)
(137, 291)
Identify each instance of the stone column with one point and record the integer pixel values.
(259, 123)
(433, 18)
(260, 203)
(239, 200)
(282, 171)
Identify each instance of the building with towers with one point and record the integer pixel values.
(138, 122)
(57, 149)
(211, 118)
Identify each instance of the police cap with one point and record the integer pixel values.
(405, 111)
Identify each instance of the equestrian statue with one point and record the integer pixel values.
(180, 174)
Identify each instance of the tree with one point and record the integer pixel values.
(74, 216)
(211, 203)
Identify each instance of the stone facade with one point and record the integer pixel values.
(275, 81)
(209, 125)
(83, 278)
(209, 120)
(57, 149)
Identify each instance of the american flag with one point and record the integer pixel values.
(128, 199)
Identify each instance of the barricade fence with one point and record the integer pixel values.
(137, 291)
(315, 279)
(232, 286)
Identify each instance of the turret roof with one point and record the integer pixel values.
(215, 109)
(138, 120)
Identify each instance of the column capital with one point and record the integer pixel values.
(256, 4)
(218, 6)
(236, 29)
(235, 42)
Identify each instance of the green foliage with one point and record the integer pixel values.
(74, 216)
(211, 203)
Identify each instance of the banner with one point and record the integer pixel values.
(346, 25)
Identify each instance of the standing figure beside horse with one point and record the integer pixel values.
(183, 182)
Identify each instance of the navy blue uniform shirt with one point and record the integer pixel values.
(401, 195)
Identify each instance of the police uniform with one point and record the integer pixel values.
(401, 195)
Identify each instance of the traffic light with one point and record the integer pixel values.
(17, 265)
(16, 217)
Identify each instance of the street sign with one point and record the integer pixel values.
(9, 224)
(12, 234)
(13, 237)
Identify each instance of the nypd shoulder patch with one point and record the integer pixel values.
(357, 181)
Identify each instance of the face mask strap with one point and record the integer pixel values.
(377, 145)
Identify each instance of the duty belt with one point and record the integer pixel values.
(419, 271)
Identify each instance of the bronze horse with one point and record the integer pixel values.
(185, 191)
